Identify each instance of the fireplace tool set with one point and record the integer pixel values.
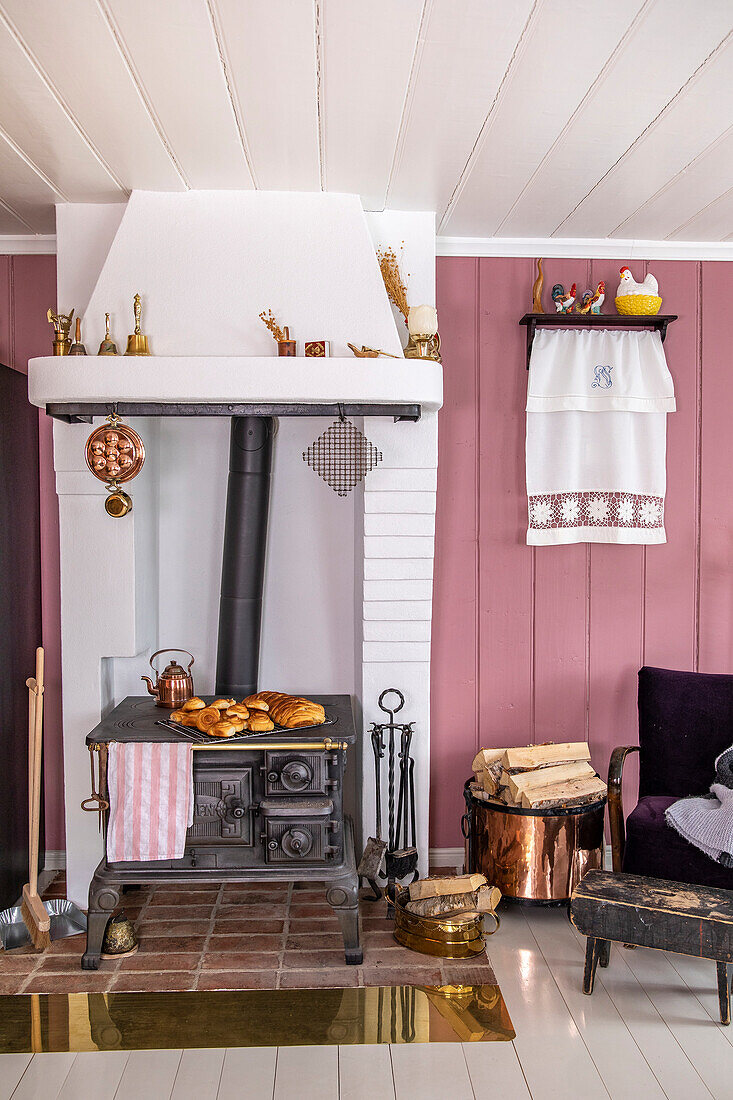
(395, 859)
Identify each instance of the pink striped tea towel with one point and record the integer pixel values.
(150, 800)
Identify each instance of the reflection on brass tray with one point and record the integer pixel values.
(251, 1018)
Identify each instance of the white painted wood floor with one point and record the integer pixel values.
(649, 1030)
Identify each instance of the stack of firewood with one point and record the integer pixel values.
(452, 896)
(537, 777)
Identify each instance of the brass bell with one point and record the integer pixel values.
(119, 937)
(118, 504)
(137, 344)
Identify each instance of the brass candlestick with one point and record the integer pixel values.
(77, 348)
(61, 326)
(137, 344)
(108, 346)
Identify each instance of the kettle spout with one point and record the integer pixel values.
(151, 688)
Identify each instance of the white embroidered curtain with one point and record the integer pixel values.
(597, 404)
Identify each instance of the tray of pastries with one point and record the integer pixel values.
(259, 714)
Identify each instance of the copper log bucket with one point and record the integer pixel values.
(533, 856)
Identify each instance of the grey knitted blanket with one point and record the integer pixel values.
(707, 820)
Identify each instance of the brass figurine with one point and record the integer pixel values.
(537, 290)
(108, 346)
(370, 353)
(77, 348)
(61, 326)
(137, 344)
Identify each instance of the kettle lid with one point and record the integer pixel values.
(173, 671)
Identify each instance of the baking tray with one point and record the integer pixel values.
(189, 734)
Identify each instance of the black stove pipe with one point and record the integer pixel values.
(243, 564)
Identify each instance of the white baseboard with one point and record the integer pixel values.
(55, 860)
(445, 857)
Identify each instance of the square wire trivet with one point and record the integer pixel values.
(342, 456)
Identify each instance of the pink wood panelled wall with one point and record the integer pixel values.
(544, 643)
(27, 289)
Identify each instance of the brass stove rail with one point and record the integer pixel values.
(326, 745)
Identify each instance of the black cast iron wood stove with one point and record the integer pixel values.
(270, 809)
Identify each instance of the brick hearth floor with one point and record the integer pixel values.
(256, 936)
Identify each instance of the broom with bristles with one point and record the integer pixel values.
(33, 911)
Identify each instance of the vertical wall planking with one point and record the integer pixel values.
(6, 310)
(505, 561)
(560, 589)
(671, 569)
(454, 691)
(716, 501)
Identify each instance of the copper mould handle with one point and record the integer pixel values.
(158, 653)
(616, 818)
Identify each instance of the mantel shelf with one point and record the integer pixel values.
(76, 388)
(657, 321)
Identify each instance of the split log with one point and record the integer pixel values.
(523, 782)
(485, 757)
(567, 793)
(454, 884)
(542, 756)
(483, 900)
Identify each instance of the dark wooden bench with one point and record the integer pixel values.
(648, 912)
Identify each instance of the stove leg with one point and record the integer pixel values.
(103, 900)
(343, 897)
(342, 894)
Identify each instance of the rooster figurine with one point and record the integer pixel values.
(637, 298)
(563, 302)
(584, 304)
(598, 298)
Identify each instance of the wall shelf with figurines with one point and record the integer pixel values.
(637, 304)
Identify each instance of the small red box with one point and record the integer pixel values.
(317, 348)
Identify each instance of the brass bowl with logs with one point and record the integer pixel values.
(459, 937)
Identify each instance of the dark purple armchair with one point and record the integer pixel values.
(685, 721)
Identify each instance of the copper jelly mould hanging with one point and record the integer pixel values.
(115, 453)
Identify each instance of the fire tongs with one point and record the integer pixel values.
(401, 855)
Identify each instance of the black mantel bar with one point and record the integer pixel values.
(82, 413)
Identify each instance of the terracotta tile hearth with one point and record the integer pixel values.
(235, 937)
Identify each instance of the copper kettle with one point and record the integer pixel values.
(174, 685)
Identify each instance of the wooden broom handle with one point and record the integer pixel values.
(35, 740)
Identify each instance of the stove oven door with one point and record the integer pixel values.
(222, 833)
(305, 831)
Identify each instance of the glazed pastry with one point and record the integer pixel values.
(239, 726)
(221, 729)
(177, 716)
(206, 718)
(189, 719)
(256, 702)
(259, 722)
(223, 704)
(237, 711)
(194, 704)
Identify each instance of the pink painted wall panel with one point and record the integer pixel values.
(454, 630)
(27, 289)
(563, 630)
(560, 597)
(716, 499)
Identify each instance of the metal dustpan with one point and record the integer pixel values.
(67, 920)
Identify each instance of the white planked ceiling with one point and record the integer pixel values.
(537, 118)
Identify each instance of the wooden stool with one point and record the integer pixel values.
(651, 912)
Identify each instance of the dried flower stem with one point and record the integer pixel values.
(270, 322)
(393, 284)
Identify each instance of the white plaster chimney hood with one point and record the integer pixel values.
(208, 263)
